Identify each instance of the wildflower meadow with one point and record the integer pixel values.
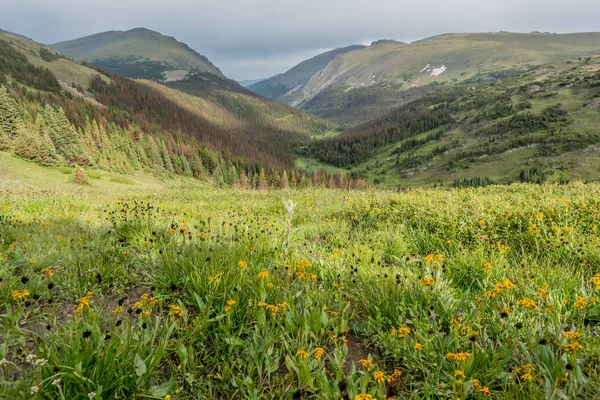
(300, 294)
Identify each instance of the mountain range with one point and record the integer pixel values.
(455, 109)
(357, 83)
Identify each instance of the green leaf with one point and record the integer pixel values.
(140, 365)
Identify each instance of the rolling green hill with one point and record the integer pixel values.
(138, 53)
(543, 124)
(358, 85)
(283, 85)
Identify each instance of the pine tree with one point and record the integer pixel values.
(316, 180)
(9, 119)
(47, 152)
(166, 159)
(339, 180)
(262, 181)
(26, 143)
(233, 176)
(284, 183)
(65, 138)
(243, 181)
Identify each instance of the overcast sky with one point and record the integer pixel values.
(258, 38)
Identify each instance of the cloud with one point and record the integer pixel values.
(258, 38)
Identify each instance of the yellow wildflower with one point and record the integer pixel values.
(20, 294)
(379, 376)
(319, 353)
(263, 274)
(301, 354)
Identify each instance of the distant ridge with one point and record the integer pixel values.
(139, 53)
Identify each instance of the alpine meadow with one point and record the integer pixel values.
(415, 217)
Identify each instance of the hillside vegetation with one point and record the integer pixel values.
(540, 125)
(58, 112)
(358, 85)
(138, 53)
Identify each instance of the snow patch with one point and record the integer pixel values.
(438, 71)
(433, 70)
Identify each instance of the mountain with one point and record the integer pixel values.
(138, 53)
(280, 87)
(539, 125)
(355, 86)
(250, 82)
(58, 112)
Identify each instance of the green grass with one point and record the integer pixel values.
(195, 293)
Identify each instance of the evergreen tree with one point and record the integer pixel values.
(243, 180)
(316, 180)
(65, 138)
(284, 183)
(26, 143)
(233, 176)
(262, 181)
(9, 119)
(166, 159)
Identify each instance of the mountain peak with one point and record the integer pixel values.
(139, 53)
(386, 41)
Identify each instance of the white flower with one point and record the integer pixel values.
(56, 382)
(91, 395)
(29, 358)
(40, 361)
(34, 389)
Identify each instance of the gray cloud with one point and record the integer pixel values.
(258, 38)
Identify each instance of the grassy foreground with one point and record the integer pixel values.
(200, 294)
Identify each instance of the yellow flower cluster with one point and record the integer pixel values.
(394, 377)
(175, 311)
(433, 258)
(506, 284)
(524, 372)
(263, 274)
(528, 303)
(572, 348)
(301, 354)
(242, 264)
(458, 356)
(274, 308)
(596, 280)
(306, 276)
(402, 332)
(20, 294)
(379, 376)
(84, 302)
(428, 281)
(366, 363)
(319, 353)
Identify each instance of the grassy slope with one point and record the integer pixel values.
(18, 173)
(393, 66)
(136, 44)
(277, 86)
(65, 70)
(496, 274)
(553, 84)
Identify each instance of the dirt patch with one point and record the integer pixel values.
(356, 351)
